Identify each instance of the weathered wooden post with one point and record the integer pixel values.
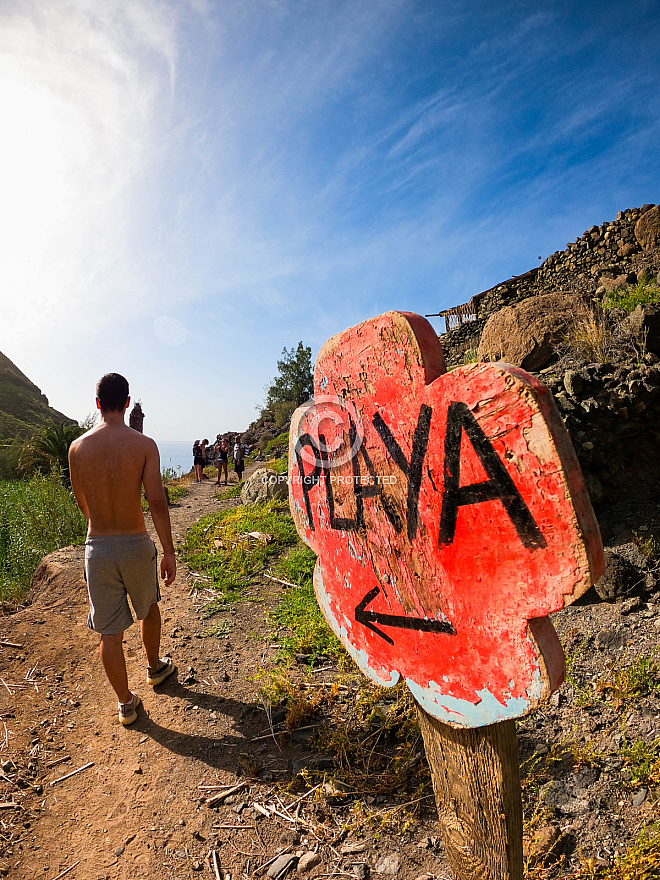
(449, 517)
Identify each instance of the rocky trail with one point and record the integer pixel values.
(142, 804)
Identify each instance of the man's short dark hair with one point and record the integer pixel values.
(112, 392)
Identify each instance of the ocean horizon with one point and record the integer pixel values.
(176, 454)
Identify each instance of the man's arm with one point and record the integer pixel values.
(75, 483)
(160, 514)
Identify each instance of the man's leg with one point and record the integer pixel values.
(112, 657)
(150, 632)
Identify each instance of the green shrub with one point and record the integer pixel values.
(297, 566)
(643, 762)
(649, 545)
(37, 516)
(641, 861)
(233, 491)
(628, 298)
(281, 440)
(299, 612)
(177, 492)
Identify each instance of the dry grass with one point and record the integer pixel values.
(371, 733)
(589, 339)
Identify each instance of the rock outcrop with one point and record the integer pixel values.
(642, 327)
(527, 334)
(608, 391)
(262, 485)
(602, 258)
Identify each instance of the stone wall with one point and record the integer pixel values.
(600, 252)
(613, 416)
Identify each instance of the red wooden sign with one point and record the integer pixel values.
(449, 517)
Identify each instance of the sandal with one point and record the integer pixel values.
(156, 676)
(128, 711)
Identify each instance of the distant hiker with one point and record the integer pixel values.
(205, 443)
(222, 458)
(109, 466)
(239, 459)
(198, 461)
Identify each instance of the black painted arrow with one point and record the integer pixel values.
(369, 618)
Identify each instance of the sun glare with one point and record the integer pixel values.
(71, 142)
(41, 148)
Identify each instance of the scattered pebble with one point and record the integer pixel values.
(639, 797)
(352, 846)
(281, 866)
(308, 861)
(389, 864)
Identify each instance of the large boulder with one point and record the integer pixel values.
(627, 249)
(528, 333)
(262, 485)
(647, 229)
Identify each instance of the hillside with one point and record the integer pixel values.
(22, 405)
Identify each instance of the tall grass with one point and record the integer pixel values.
(37, 516)
(589, 338)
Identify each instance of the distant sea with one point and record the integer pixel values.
(176, 454)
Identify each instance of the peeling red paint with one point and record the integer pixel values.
(484, 581)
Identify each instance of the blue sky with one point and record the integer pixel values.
(191, 186)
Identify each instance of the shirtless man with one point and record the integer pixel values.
(109, 465)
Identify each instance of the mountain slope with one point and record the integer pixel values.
(22, 405)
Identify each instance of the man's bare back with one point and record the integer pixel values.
(110, 463)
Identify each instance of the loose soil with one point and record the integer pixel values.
(139, 810)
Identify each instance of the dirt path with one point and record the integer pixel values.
(138, 811)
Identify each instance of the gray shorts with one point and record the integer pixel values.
(118, 566)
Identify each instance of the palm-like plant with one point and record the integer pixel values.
(49, 448)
